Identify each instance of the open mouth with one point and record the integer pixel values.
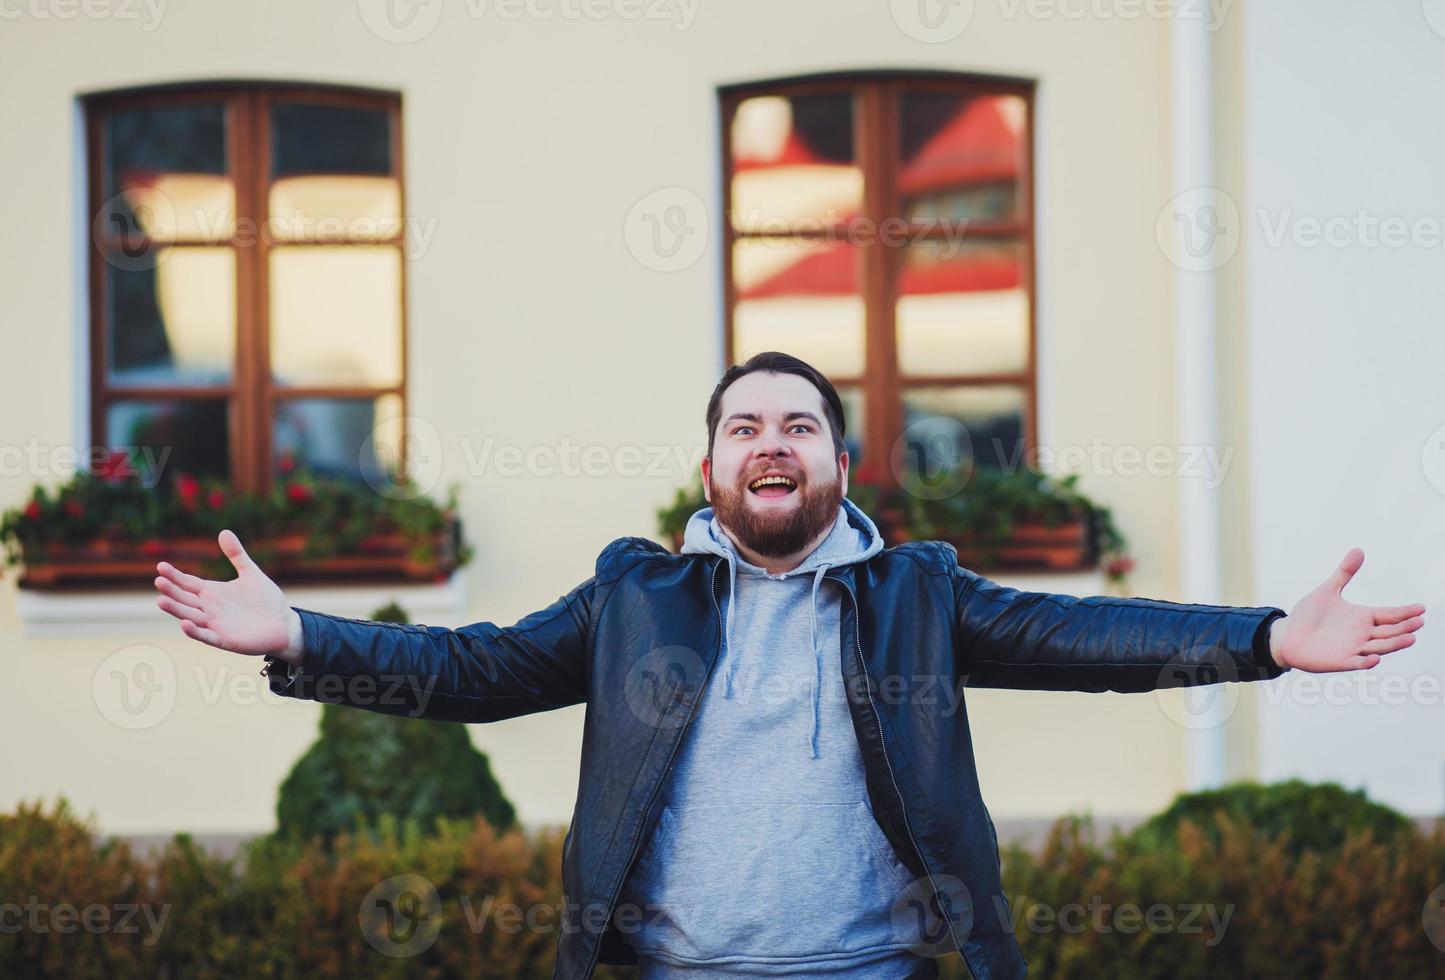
(773, 486)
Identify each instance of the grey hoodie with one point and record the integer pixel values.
(766, 858)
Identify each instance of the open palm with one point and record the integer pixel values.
(1324, 632)
(248, 614)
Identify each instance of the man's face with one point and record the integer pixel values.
(774, 424)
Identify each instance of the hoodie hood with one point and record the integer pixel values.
(854, 538)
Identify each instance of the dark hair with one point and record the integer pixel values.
(780, 363)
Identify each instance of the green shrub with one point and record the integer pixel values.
(367, 764)
(1309, 817)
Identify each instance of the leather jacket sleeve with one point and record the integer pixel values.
(477, 673)
(1010, 638)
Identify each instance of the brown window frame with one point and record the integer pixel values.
(252, 397)
(875, 150)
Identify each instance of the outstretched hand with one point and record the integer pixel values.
(248, 614)
(1324, 632)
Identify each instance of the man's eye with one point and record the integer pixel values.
(803, 426)
(740, 428)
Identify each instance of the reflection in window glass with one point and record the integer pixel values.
(165, 174)
(962, 156)
(792, 162)
(166, 438)
(336, 315)
(963, 308)
(802, 297)
(348, 438)
(174, 323)
(947, 427)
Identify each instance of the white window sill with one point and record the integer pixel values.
(135, 613)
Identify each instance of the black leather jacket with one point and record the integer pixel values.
(637, 642)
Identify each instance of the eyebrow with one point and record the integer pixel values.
(753, 417)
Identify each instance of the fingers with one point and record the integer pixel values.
(199, 633)
(1395, 629)
(166, 587)
(185, 580)
(1365, 663)
(231, 548)
(1351, 563)
(1393, 614)
(1389, 645)
(183, 612)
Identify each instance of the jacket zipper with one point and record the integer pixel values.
(903, 807)
(637, 838)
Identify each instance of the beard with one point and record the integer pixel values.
(777, 532)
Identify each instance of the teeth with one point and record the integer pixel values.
(768, 481)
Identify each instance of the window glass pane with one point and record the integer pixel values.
(963, 308)
(336, 315)
(945, 427)
(332, 174)
(792, 163)
(350, 438)
(962, 156)
(165, 438)
(165, 174)
(174, 323)
(802, 297)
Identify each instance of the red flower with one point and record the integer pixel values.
(75, 508)
(298, 493)
(866, 473)
(188, 487)
(288, 461)
(1119, 566)
(115, 467)
(216, 498)
(32, 510)
(152, 547)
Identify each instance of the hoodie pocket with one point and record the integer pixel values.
(766, 882)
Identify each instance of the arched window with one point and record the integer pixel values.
(881, 228)
(247, 279)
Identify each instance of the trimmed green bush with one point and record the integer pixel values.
(367, 764)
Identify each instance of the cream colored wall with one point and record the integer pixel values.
(527, 142)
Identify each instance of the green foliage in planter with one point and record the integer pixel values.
(114, 503)
(688, 500)
(1311, 817)
(367, 763)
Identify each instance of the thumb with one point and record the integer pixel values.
(1353, 559)
(231, 548)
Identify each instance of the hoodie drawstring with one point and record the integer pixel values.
(817, 663)
(732, 662)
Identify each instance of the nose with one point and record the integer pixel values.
(772, 444)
